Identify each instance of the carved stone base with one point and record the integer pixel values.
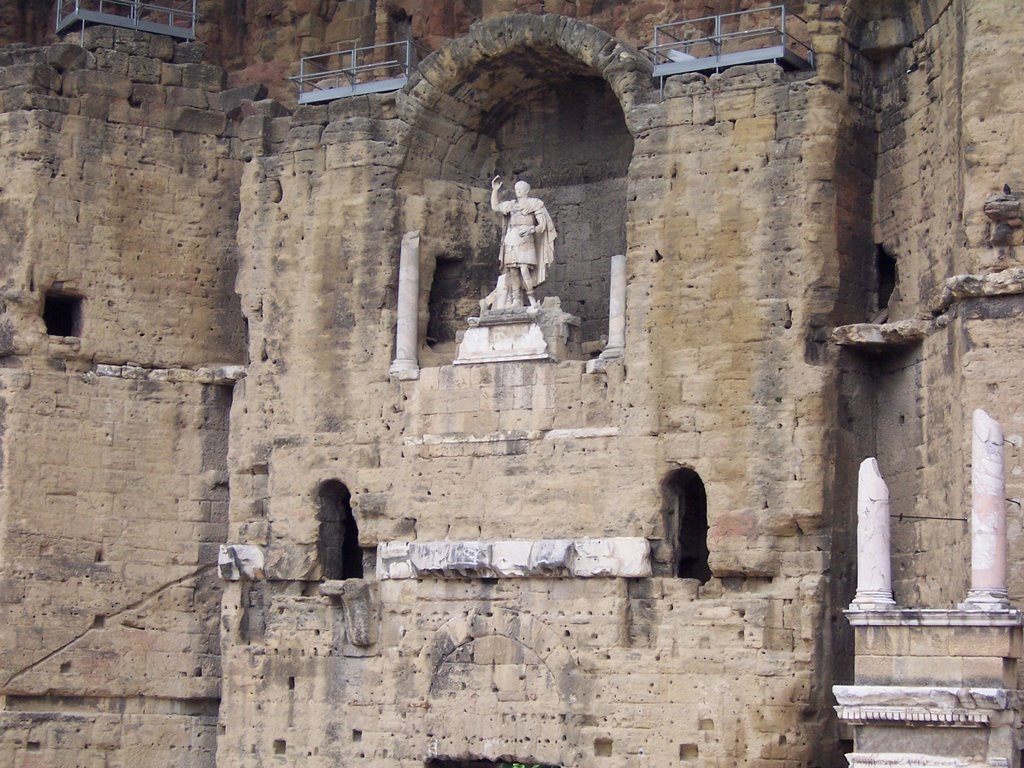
(520, 333)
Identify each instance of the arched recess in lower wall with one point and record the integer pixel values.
(482, 668)
(542, 98)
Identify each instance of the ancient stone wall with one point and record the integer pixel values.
(921, 73)
(716, 314)
(119, 221)
(158, 227)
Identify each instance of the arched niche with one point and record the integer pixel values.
(338, 550)
(685, 512)
(543, 98)
(878, 28)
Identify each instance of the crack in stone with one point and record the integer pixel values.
(137, 604)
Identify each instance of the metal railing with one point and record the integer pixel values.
(174, 17)
(744, 37)
(354, 70)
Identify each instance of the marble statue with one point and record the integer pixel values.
(527, 243)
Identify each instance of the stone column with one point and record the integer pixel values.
(874, 562)
(616, 346)
(988, 517)
(405, 365)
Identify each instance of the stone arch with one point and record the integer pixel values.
(546, 98)
(484, 666)
(877, 28)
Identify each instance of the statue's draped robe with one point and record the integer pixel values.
(543, 238)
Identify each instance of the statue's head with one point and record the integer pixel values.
(522, 189)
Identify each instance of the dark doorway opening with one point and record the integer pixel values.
(686, 524)
(338, 546)
(886, 277)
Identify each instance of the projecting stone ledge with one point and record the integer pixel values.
(917, 705)
(581, 558)
(959, 287)
(880, 336)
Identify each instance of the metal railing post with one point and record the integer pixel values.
(782, 29)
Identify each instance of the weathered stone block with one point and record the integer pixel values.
(131, 41)
(143, 69)
(207, 77)
(100, 83)
(141, 92)
(98, 37)
(34, 75)
(196, 120)
(231, 99)
(161, 47)
(186, 97)
(65, 56)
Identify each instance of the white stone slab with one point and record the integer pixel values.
(621, 557)
(611, 557)
(503, 343)
(240, 561)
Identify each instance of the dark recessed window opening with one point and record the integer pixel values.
(686, 524)
(62, 314)
(885, 277)
(338, 547)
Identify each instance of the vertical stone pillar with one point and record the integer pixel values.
(616, 346)
(405, 365)
(874, 561)
(988, 517)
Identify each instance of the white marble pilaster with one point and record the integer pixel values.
(988, 516)
(616, 346)
(406, 365)
(874, 561)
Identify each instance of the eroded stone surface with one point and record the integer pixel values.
(754, 207)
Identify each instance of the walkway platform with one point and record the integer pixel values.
(713, 43)
(354, 71)
(176, 18)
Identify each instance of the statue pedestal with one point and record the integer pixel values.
(520, 333)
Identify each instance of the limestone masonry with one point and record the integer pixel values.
(287, 478)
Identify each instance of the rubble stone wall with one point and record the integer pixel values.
(118, 192)
(202, 226)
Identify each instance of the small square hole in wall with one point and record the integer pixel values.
(33, 746)
(688, 752)
(280, 746)
(65, 667)
(357, 735)
(603, 747)
(62, 314)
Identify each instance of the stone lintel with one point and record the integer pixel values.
(881, 336)
(904, 760)
(939, 705)
(934, 617)
(462, 438)
(621, 557)
(223, 373)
